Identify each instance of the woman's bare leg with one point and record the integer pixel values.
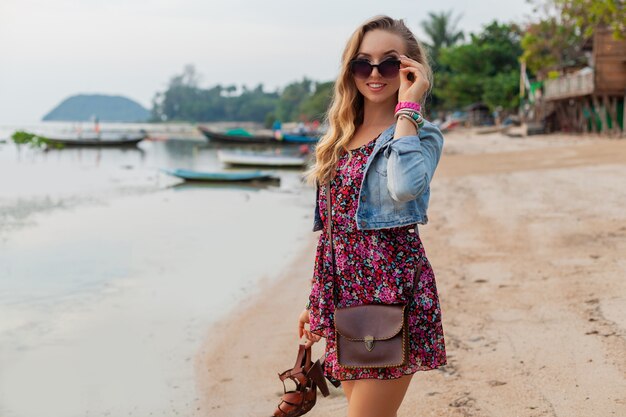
(376, 397)
(347, 388)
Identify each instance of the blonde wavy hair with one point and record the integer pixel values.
(346, 109)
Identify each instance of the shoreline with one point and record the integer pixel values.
(256, 357)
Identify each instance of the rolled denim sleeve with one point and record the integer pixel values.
(412, 161)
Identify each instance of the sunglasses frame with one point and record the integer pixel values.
(372, 66)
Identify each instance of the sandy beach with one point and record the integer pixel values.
(527, 238)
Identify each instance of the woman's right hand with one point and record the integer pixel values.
(302, 331)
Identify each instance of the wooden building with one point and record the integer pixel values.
(478, 114)
(590, 99)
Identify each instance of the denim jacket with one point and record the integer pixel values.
(396, 180)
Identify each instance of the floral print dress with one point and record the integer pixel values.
(373, 266)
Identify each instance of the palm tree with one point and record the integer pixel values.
(442, 30)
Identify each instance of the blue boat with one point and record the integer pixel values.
(241, 136)
(191, 175)
(299, 138)
(238, 136)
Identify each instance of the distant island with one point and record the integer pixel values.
(83, 107)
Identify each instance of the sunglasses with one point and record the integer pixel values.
(362, 68)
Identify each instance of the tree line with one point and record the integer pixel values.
(185, 100)
(482, 67)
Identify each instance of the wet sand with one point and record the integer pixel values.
(527, 239)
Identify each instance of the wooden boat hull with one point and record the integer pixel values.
(107, 139)
(239, 139)
(251, 159)
(299, 139)
(206, 176)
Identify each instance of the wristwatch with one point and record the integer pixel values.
(308, 305)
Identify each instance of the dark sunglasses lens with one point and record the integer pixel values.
(389, 68)
(361, 69)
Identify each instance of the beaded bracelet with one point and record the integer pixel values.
(417, 117)
(408, 105)
(418, 124)
(414, 115)
(410, 119)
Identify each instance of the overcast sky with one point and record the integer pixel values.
(52, 49)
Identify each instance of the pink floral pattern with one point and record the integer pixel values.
(373, 266)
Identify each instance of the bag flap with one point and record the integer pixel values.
(381, 321)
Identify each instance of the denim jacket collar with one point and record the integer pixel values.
(382, 142)
(384, 137)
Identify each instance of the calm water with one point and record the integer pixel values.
(112, 272)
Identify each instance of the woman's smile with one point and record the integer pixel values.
(376, 87)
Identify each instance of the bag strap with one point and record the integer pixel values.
(332, 250)
(330, 238)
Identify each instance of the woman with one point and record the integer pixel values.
(379, 162)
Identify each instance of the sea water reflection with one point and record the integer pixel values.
(111, 272)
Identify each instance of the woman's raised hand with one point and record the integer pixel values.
(311, 337)
(412, 90)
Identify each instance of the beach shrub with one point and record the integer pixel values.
(22, 137)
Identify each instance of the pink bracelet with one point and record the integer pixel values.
(408, 105)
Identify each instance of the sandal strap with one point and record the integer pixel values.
(286, 409)
(301, 367)
(307, 360)
(290, 405)
(300, 357)
(296, 375)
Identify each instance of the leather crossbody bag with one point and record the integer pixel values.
(371, 335)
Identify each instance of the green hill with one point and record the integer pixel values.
(85, 107)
